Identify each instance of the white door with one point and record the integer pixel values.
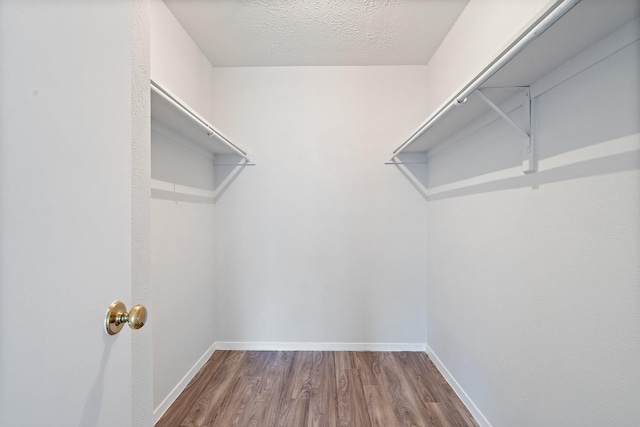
(65, 212)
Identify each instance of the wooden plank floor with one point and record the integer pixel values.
(317, 389)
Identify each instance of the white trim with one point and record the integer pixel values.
(318, 346)
(464, 397)
(182, 384)
(592, 55)
(180, 105)
(552, 12)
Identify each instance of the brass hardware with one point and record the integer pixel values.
(117, 316)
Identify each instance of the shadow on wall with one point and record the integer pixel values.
(600, 166)
(413, 166)
(93, 404)
(182, 171)
(588, 125)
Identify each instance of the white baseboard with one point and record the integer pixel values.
(182, 384)
(466, 400)
(319, 346)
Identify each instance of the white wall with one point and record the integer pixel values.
(177, 63)
(533, 298)
(182, 218)
(182, 242)
(320, 241)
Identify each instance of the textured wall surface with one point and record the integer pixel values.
(142, 349)
(335, 32)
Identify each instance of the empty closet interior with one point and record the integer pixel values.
(482, 206)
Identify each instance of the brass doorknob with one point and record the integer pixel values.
(117, 316)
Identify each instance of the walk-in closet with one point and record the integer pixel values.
(320, 213)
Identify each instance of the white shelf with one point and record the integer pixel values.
(174, 114)
(582, 26)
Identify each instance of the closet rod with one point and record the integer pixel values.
(539, 26)
(211, 131)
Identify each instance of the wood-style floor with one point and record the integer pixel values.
(317, 389)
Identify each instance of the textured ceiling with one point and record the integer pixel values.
(317, 32)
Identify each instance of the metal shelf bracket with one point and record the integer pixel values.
(527, 131)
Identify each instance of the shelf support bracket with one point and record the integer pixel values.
(528, 153)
